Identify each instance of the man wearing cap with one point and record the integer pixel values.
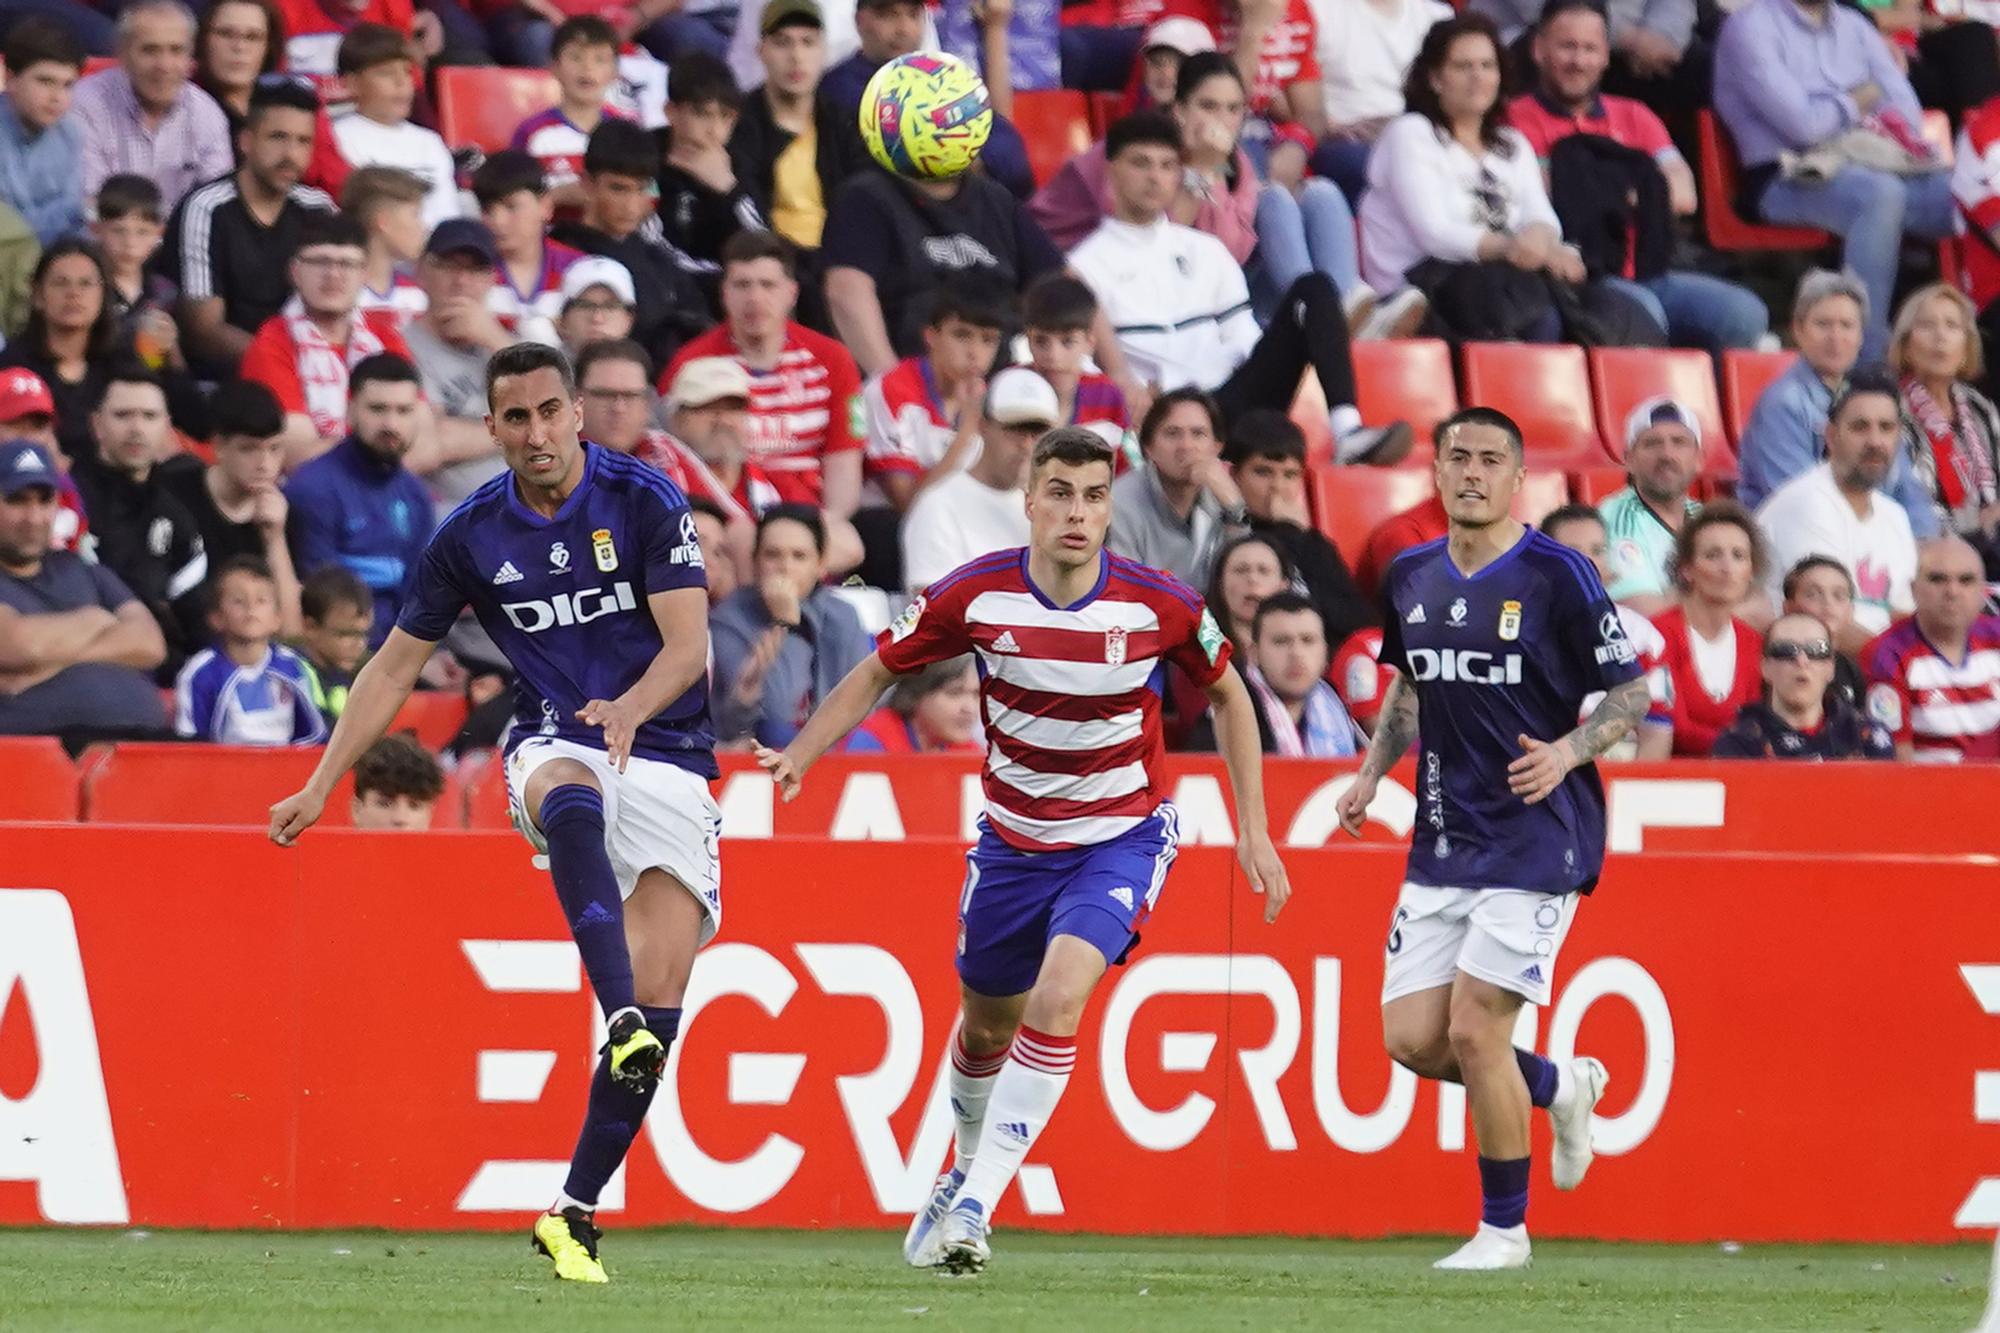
(304, 352)
(76, 646)
(1642, 521)
(450, 344)
(28, 412)
(983, 506)
(597, 304)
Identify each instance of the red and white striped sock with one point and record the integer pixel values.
(1024, 1096)
(971, 1083)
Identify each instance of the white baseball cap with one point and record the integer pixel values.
(598, 271)
(1189, 36)
(1661, 411)
(1018, 396)
(709, 379)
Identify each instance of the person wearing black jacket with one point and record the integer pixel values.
(703, 202)
(1268, 452)
(1801, 716)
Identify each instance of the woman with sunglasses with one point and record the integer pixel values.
(1801, 716)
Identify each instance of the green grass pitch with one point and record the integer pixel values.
(775, 1282)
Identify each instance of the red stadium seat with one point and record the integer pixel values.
(482, 106)
(37, 780)
(1405, 379)
(1546, 390)
(1103, 110)
(1745, 376)
(1728, 230)
(1627, 376)
(486, 797)
(434, 715)
(1591, 485)
(145, 783)
(1347, 502)
(1055, 125)
(1541, 493)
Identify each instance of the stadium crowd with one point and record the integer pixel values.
(248, 294)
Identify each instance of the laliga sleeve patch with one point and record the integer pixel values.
(1360, 679)
(1209, 635)
(1885, 705)
(857, 417)
(903, 625)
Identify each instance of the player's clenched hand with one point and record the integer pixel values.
(1266, 872)
(778, 764)
(619, 720)
(1353, 804)
(294, 815)
(1540, 770)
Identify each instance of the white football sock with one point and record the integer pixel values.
(1023, 1098)
(971, 1084)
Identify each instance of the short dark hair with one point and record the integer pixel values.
(1058, 303)
(131, 370)
(254, 566)
(699, 79)
(126, 194)
(701, 504)
(381, 368)
(1074, 446)
(1491, 417)
(508, 171)
(582, 30)
(367, 45)
(334, 586)
(972, 298)
(1283, 602)
(1155, 128)
(1864, 382)
(1156, 415)
(620, 148)
(398, 766)
(280, 92)
(1555, 9)
(1797, 573)
(524, 359)
(746, 247)
(1202, 66)
(37, 38)
(318, 227)
(612, 349)
(1265, 432)
(807, 516)
(245, 407)
(913, 689)
(1574, 512)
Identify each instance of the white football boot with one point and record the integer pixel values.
(1572, 1117)
(961, 1240)
(1491, 1248)
(923, 1244)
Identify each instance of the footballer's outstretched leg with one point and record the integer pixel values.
(978, 1050)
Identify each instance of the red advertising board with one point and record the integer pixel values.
(373, 1029)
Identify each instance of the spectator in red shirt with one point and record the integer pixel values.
(304, 352)
(1714, 660)
(313, 29)
(805, 425)
(935, 711)
(1395, 534)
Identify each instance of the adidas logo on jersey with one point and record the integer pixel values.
(1123, 897)
(1416, 616)
(1005, 643)
(508, 574)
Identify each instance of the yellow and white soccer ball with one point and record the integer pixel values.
(926, 116)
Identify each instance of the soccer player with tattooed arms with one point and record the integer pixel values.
(1078, 833)
(1496, 634)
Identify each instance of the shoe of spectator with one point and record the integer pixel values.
(1397, 317)
(1359, 302)
(1381, 446)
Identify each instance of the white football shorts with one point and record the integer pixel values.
(1509, 937)
(656, 814)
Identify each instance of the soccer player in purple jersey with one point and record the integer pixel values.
(1495, 633)
(585, 568)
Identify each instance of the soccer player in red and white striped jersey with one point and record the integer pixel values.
(1078, 833)
(1934, 677)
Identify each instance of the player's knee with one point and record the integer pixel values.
(1426, 1054)
(984, 1036)
(1475, 1034)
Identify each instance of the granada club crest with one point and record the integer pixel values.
(1114, 646)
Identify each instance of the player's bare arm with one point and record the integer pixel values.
(839, 713)
(1543, 766)
(682, 615)
(1395, 733)
(1242, 757)
(378, 692)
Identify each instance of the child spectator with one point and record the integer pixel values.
(396, 786)
(337, 612)
(597, 303)
(388, 204)
(41, 145)
(381, 75)
(516, 205)
(1059, 314)
(129, 220)
(934, 711)
(702, 203)
(584, 59)
(248, 689)
(926, 408)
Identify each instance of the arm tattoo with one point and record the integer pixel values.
(1616, 714)
(1395, 728)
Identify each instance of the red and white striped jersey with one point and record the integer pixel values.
(908, 430)
(405, 300)
(1070, 695)
(1975, 186)
(1950, 711)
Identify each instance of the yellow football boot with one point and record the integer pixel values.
(637, 1057)
(570, 1239)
